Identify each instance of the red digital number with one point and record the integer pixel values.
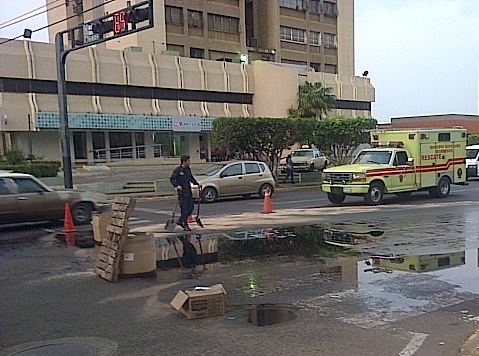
(119, 22)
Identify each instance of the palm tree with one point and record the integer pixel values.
(314, 100)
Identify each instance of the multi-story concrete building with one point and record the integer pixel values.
(316, 33)
(140, 96)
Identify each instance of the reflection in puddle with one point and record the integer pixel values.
(419, 263)
(269, 314)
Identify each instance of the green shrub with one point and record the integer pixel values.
(37, 168)
(15, 155)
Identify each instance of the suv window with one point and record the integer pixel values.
(26, 185)
(251, 168)
(233, 170)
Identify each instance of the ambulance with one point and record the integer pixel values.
(401, 162)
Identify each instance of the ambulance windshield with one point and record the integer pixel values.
(378, 157)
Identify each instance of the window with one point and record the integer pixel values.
(27, 185)
(195, 19)
(330, 40)
(251, 168)
(444, 136)
(315, 38)
(174, 15)
(400, 159)
(330, 9)
(315, 6)
(293, 34)
(3, 188)
(233, 170)
(223, 23)
(315, 66)
(197, 52)
(292, 4)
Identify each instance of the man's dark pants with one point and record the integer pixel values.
(187, 204)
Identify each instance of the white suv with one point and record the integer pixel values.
(306, 159)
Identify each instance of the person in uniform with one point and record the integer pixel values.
(181, 179)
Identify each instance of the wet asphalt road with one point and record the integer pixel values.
(344, 305)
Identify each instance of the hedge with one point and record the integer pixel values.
(37, 168)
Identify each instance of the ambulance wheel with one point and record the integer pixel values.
(442, 189)
(375, 194)
(336, 198)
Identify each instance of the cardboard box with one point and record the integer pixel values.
(100, 223)
(138, 256)
(200, 302)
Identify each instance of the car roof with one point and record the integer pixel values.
(472, 147)
(7, 174)
(236, 161)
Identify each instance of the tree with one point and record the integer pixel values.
(340, 136)
(472, 139)
(261, 139)
(314, 100)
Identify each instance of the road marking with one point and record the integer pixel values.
(414, 344)
(138, 221)
(154, 211)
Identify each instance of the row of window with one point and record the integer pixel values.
(299, 36)
(314, 6)
(174, 16)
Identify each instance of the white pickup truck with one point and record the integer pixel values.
(472, 161)
(306, 159)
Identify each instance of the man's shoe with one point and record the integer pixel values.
(179, 223)
(186, 227)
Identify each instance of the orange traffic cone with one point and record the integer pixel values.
(267, 204)
(68, 227)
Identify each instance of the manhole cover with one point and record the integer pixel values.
(64, 349)
(269, 314)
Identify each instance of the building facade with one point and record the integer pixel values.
(149, 95)
(469, 122)
(315, 33)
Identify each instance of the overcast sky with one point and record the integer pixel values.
(422, 55)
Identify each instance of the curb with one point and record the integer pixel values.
(471, 346)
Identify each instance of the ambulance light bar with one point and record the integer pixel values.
(397, 144)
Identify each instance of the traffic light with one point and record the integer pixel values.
(138, 15)
(100, 27)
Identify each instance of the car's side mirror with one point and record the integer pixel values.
(410, 161)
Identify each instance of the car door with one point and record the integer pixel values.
(253, 177)
(36, 203)
(231, 180)
(406, 176)
(8, 203)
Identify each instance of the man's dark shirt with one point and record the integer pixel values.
(182, 176)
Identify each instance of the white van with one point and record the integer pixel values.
(472, 161)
